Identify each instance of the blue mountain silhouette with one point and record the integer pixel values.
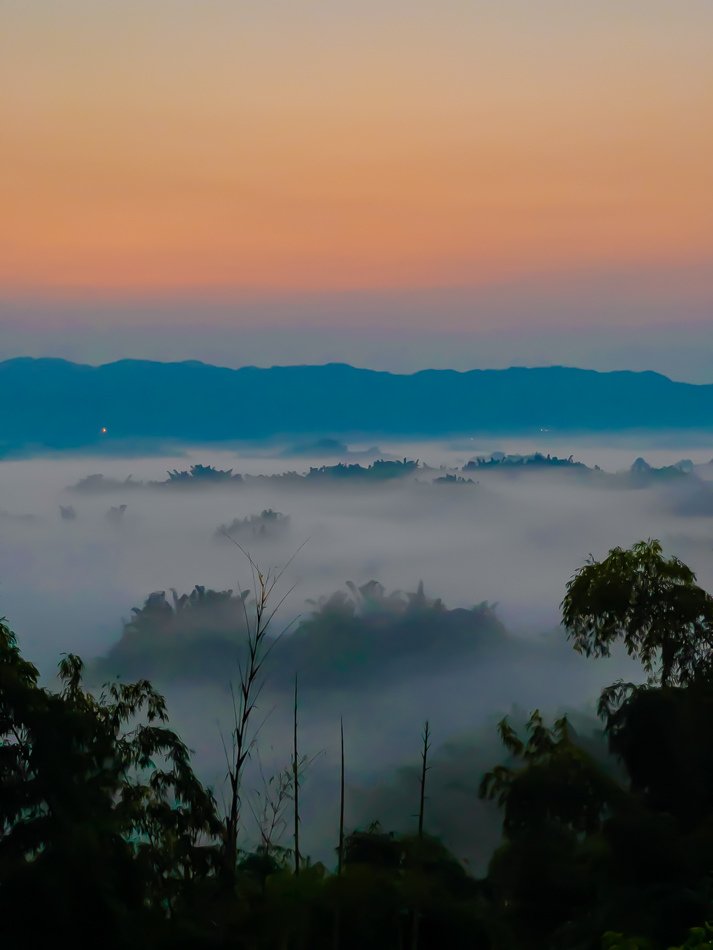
(55, 404)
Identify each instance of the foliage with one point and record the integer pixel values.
(268, 524)
(366, 631)
(535, 461)
(449, 479)
(379, 470)
(651, 603)
(700, 938)
(556, 784)
(362, 631)
(201, 474)
(207, 476)
(664, 737)
(615, 941)
(583, 853)
(200, 634)
(101, 815)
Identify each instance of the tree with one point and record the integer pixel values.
(250, 685)
(556, 783)
(651, 603)
(548, 879)
(296, 787)
(102, 821)
(666, 620)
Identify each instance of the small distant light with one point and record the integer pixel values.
(103, 430)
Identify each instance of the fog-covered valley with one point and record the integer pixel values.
(73, 564)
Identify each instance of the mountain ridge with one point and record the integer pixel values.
(57, 404)
(338, 364)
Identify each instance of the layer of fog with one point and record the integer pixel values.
(65, 585)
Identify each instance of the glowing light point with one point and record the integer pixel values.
(103, 430)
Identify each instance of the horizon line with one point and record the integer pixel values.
(22, 358)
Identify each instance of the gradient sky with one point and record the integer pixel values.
(363, 171)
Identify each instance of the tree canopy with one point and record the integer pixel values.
(649, 602)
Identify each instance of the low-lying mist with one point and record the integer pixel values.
(73, 564)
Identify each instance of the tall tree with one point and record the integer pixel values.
(260, 644)
(651, 603)
(340, 849)
(296, 785)
(424, 770)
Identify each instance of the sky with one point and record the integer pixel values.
(462, 183)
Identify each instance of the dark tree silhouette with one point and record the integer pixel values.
(651, 603)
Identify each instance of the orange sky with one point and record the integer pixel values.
(316, 144)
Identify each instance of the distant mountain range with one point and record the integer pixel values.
(57, 405)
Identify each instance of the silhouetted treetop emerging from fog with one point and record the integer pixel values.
(361, 632)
